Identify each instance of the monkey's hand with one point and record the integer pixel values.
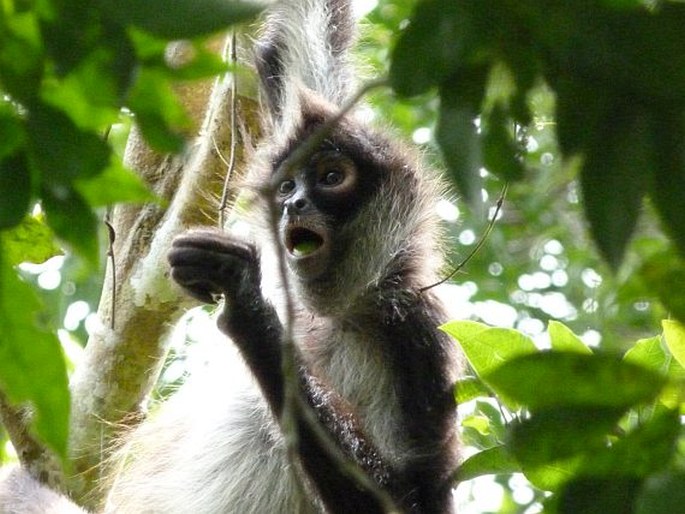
(207, 263)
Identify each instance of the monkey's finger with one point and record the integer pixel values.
(215, 242)
(196, 284)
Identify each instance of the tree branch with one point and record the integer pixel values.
(120, 366)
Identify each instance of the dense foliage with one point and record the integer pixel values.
(66, 71)
(578, 105)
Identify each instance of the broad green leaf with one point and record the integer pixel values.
(479, 423)
(463, 330)
(90, 94)
(580, 111)
(550, 477)
(114, 185)
(614, 178)
(674, 335)
(21, 56)
(61, 151)
(627, 455)
(72, 220)
(30, 241)
(496, 420)
(649, 354)
(668, 135)
(614, 495)
(431, 48)
(556, 434)
(11, 130)
(493, 461)
(204, 64)
(638, 51)
(564, 340)
(31, 362)
(662, 494)
(457, 136)
(664, 273)
(15, 190)
(159, 114)
(180, 19)
(501, 153)
(554, 379)
(488, 348)
(470, 388)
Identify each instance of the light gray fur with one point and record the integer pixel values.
(309, 58)
(213, 448)
(21, 494)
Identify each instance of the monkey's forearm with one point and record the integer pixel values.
(422, 358)
(258, 332)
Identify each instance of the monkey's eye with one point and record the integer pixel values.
(332, 178)
(286, 187)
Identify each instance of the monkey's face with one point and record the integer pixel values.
(314, 202)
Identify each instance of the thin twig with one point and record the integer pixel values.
(40, 462)
(479, 245)
(234, 132)
(111, 234)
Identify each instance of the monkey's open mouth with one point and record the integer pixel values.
(302, 242)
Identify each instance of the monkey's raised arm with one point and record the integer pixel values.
(206, 263)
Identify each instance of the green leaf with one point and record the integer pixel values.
(11, 129)
(674, 335)
(469, 388)
(639, 50)
(21, 56)
(664, 273)
(647, 449)
(558, 434)
(668, 186)
(614, 495)
(431, 48)
(457, 136)
(159, 114)
(180, 19)
(649, 354)
(30, 241)
(204, 64)
(580, 112)
(493, 461)
(614, 179)
(463, 330)
(662, 494)
(554, 379)
(479, 423)
(15, 190)
(31, 362)
(564, 340)
(501, 153)
(60, 150)
(488, 348)
(72, 220)
(90, 94)
(114, 185)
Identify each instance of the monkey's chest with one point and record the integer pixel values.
(355, 368)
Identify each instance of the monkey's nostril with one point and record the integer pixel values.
(300, 204)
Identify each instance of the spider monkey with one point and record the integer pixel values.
(358, 231)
